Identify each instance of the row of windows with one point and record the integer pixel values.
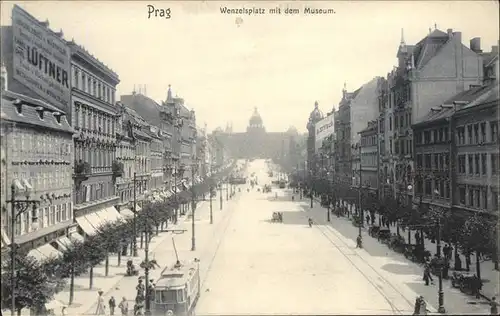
(477, 164)
(477, 197)
(156, 162)
(478, 133)
(92, 85)
(428, 188)
(48, 178)
(468, 195)
(127, 195)
(95, 120)
(47, 217)
(436, 161)
(100, 159)
(369, 140)
(125, 152)
(399, 94)
(142, 149)
(369, 159)
(43, 145)
(94, 192)
(432, 136)
(401, 146)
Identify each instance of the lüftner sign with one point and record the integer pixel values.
(324, 128)
(41, 59)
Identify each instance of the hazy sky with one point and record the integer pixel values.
(278, 63)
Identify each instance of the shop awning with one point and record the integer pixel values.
(114, 214)
(75, 236)
(185, 186)
(86, 226)
(44, 252)
(64, 242)
(103, 217)
(95, 220)
(127, 213)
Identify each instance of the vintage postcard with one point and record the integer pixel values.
(249, 157)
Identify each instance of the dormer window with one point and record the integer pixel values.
(19, 106)
(40, 110)
(57, 115)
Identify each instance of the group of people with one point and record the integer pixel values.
(101, 306)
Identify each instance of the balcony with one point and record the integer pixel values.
(82, 170)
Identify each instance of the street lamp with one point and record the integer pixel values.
(227, 189)
(441, 308)
(18, 207)
(210, 193)
(134, 240)
(194, 168)
(360, 207)
(220, 195)
(310, 187)
(177, 172)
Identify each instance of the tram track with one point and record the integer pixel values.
(225, 225)
(325, 230)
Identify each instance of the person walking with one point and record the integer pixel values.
(427, 274)
(367, 219)
(100, 310)
(112, 305)
(123, 306)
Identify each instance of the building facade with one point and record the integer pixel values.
(369, 157)
(428, 73)
(456, 152)
(94, 118)
(37, 160)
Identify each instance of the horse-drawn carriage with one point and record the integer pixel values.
(277, 217)
(467, 282)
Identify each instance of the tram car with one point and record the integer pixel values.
(177, 290)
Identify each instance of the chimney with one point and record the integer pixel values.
(458, 36)
(450, 32)
(475, 45)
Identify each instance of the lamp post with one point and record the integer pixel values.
(328, 207)
(177, 172)
(220, 195)
(227, 189)
(134, 240)
(310, 186)
(441, 308)
(360, 207)
(193, 207)
(18, 207)
(211, 216)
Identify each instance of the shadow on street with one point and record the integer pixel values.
(401, 269)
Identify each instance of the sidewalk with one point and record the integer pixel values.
(403, 274)
(489, 275)
(84, 298)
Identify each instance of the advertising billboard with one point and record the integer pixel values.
(324, 128)
(41, 59)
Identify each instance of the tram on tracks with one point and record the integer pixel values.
(177, 290)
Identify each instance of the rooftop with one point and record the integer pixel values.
(22, 109)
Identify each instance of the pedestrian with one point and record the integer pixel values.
(427, 274)
(112, 304)
(63, 311)
(123, 306)
(493, 306)
(367, 219)
(100, 304)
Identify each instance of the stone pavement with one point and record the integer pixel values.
(403, 273)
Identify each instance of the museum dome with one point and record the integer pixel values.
(255, 119)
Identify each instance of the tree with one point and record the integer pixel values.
(34, 287)
(93, 253)
(478, 235)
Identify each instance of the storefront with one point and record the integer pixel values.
(89, 224)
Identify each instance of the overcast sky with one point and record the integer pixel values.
(280, 64)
